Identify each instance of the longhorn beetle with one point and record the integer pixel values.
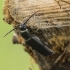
(32, 40)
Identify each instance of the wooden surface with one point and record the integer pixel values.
(47, 10)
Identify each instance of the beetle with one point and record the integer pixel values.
(31, 39)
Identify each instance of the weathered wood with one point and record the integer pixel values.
(47, 25)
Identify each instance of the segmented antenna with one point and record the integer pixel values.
(19, 25)
(29, 18)
(9, 32)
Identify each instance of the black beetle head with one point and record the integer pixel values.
(22, 26)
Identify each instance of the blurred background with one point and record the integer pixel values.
(12, 57)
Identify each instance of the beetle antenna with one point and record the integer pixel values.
(19, 24)
(29, 18)
(9, 32)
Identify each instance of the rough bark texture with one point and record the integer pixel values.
(47, 25)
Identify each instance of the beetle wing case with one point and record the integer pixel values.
(39, 46)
